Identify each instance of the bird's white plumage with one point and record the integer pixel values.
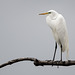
(58, 26)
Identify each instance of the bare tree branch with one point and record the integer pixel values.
(40, 62)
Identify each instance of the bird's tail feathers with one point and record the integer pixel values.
(67, 56)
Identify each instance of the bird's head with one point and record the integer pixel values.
(51, 13)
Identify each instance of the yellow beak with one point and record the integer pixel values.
(44, 13)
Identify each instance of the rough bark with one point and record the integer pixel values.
(40, 62)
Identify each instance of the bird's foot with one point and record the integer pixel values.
(61, 60)
(52, 62)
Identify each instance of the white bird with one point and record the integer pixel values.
(57, 24)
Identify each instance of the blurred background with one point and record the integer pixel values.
(23, 33)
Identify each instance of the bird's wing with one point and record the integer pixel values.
(62, 33)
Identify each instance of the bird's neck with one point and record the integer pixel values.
(53, 16)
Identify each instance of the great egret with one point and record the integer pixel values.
(58, 26)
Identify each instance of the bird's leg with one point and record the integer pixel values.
(55, 51)
(61, 53)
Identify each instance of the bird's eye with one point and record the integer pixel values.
(49, 12)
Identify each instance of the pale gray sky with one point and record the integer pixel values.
(23, 33)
